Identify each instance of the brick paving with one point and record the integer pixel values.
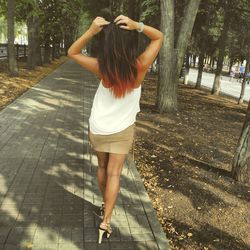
(49, 197)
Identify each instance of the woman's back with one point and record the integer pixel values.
(121, 72)
(110, 114)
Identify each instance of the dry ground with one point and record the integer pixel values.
(185, 161)
(12, 87)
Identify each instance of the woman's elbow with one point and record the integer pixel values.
(70, 53)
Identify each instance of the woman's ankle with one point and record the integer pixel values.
(106, 221)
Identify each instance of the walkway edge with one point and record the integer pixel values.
(150, 212)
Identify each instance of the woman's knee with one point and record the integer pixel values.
(102, 159)
(114, 171)
(115, 164)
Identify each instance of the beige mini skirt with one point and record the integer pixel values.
(119, 143)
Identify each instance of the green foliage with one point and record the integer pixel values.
(61, 18)
(239, 36)
(3, 8)
(206, 35)
(150, 10)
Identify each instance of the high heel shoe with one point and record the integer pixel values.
(102, 209)
(102, 230)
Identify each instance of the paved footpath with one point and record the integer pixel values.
(49, 198)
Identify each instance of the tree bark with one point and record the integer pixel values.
(53, 54)
(187, 67)
(37, 52)
(194, 60)
(31, 42)
(171, 58)
(134, 9)
(185, 31)
(200, 70)
(167, 88)
(47, 53)
(12, 63)
(223, 38)
(134, 12)
(241, 162)
(230, 65)
(212, 64)
(243, 85)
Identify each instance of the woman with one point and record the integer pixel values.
(116, 102)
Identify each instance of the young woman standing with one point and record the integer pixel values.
(116, 102)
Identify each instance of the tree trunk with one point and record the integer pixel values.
(243, 85)
(53, 50)
(134, 12)
(223, 38)
(194, 60)
(115, 7)
(200, 70)
(213, 63)
(37, 52)
(31, 42)
(134, 9)
(12, 63)
(187, 67)
(46, 53)
(241, 162)
(205, 59)
(167, 88)
(169, 58)
(208, 60)
(230, 65)
(185, 31)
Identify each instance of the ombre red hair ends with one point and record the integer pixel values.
(117, 57)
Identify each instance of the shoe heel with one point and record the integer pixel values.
(101, 232)
(108, 235)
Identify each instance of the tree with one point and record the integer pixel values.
(233, 39)
(13, 71)
(241, 162)
(239, 48)
(204, 36)
(244, 81)
(173, 50)
(222, 46)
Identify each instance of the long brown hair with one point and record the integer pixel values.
(117, 58)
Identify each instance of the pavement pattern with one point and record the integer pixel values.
(49, 197)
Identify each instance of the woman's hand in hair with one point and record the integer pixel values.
(129, 23)
(97, 25)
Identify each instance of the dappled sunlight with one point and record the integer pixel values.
(36, 106)
(52, 195)
(50, 238)
(66, 79)
(8, 206)
(165, 146)
(68, 135)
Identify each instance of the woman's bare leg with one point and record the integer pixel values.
(103, 158)
(114, 169)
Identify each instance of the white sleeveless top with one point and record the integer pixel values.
(111, 115)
